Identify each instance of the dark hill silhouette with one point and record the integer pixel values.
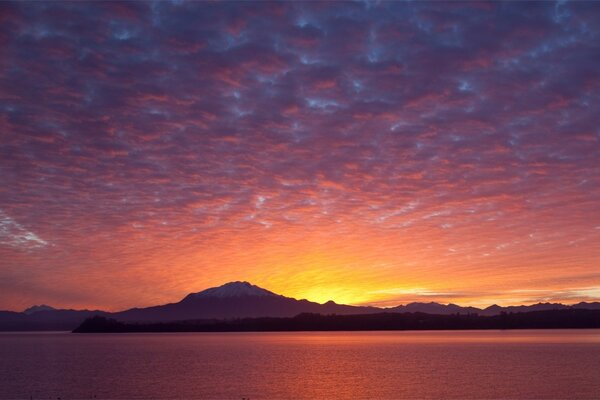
(239, 300)
(435, 308)
(549, 319)
(47, 320)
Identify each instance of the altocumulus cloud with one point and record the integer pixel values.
(13, 234)
(470, 129)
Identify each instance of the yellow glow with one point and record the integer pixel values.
(361, 266)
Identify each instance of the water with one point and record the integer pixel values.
(334, 365)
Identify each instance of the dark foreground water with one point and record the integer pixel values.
(337, 365)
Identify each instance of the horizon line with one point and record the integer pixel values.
(366, 304)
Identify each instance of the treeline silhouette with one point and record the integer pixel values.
(550, 319)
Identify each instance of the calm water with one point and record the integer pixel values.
(357, 365)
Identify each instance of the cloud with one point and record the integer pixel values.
(14, 235)
(154, 128)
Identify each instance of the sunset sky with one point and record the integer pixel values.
(369, 153)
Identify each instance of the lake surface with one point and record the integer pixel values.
(303, 365)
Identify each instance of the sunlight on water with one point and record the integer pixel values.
(303, 365)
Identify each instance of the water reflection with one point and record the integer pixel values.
(303, 365)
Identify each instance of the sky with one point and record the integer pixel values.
(367, 152)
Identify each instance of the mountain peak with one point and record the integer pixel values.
(233, 289)
(493, 307)
(36, 308)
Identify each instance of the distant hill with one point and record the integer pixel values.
(241, 300)
(434, 308)
(447, 309)
(45, 320)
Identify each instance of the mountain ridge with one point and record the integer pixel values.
(241, 299)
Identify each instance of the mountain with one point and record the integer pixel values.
(41, 307)
(232, 289)
(236, 300)
(242, 300)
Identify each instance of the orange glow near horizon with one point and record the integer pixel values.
(363, 266)
(320, 150)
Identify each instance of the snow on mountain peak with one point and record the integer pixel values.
(233, 289)
(36, 308)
